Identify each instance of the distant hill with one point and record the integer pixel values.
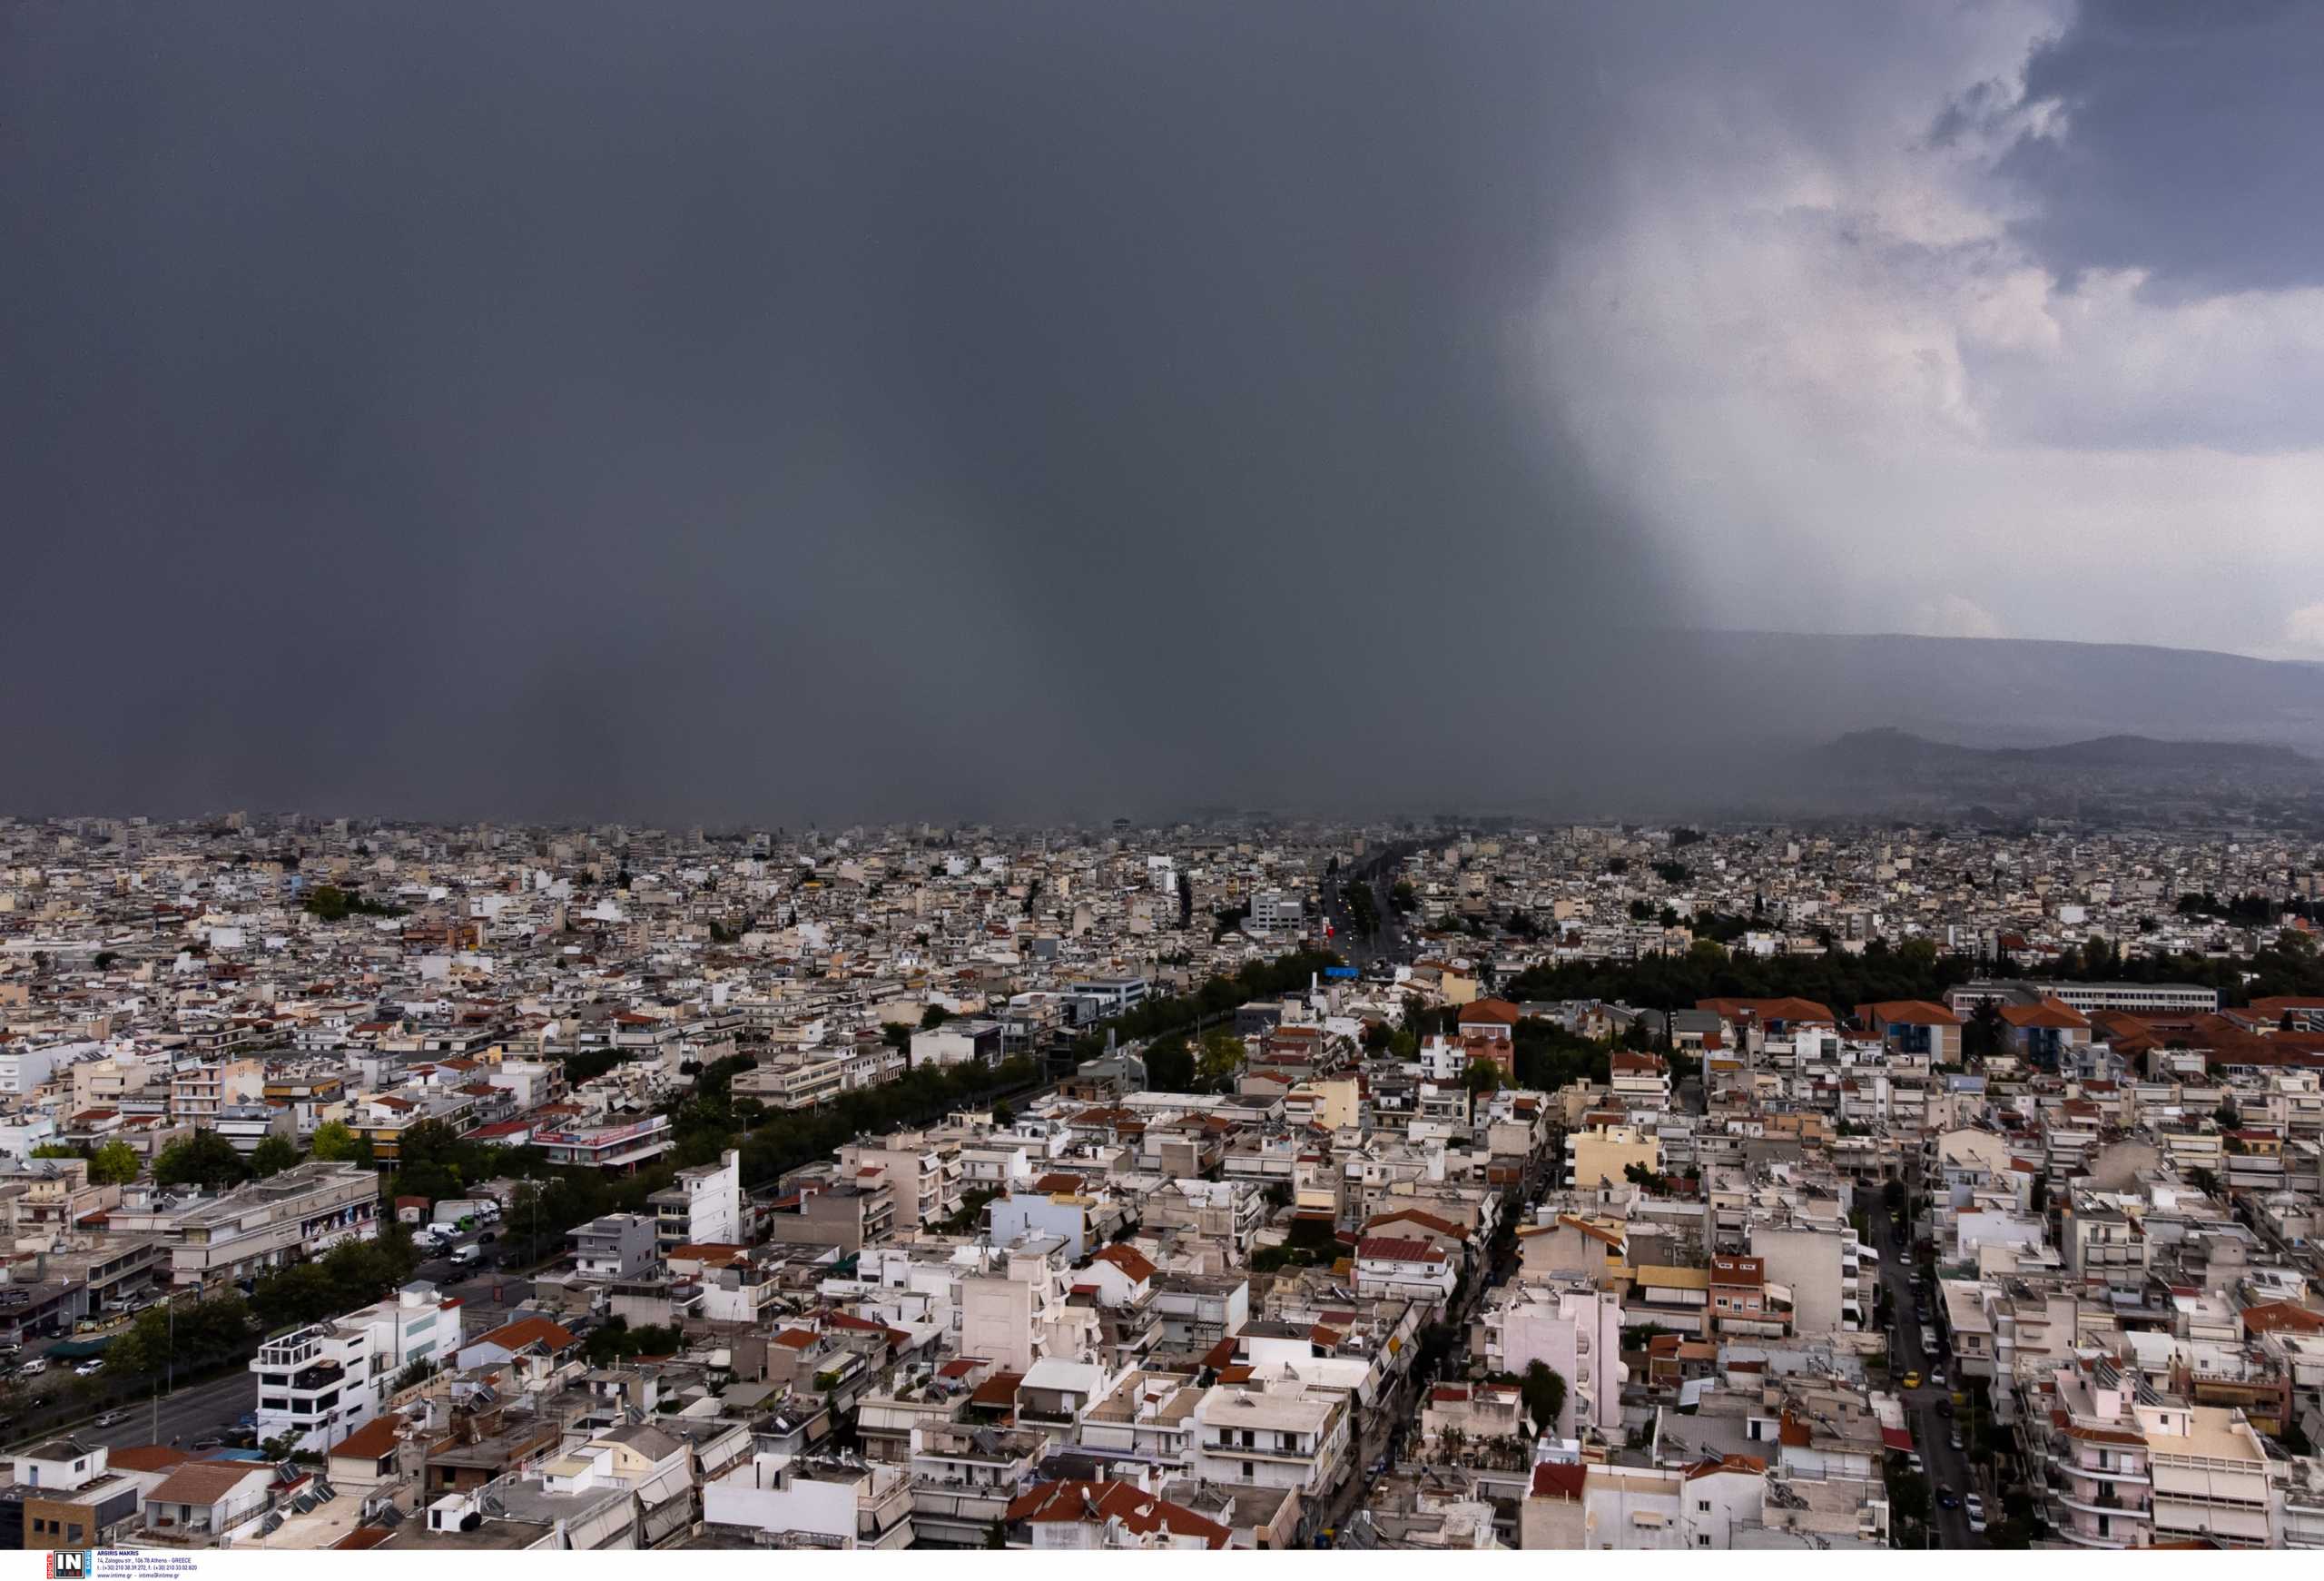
(2004, 692)
(1900, 750)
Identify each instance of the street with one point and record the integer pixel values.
(202, 1411)
(1378, 870)
(1931, 1432)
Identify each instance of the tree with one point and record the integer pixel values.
(1169, 1066)
(1003, 1114)
(333, 1142)
(1543, 1392)
(1981, 1039)
(1907, 1491)
(56, 1150)
(1483, 1076)
(114, 1164)
(934, 1016)
(1221, 1058)
(273, 1156)
(205, 1159)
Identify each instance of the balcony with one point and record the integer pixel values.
(2105, 1500)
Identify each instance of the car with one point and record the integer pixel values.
(1944, 1406)
(1911, 1380)
(1954, 1439)
(209, 1441)
(34, 1367)
(1936, 1378)
(1975, 1504)
(487, 1238)
(112, 1418)
(1948, 1499)
(89, 1369)
(1913, 1459)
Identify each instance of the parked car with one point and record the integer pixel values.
(1944, 1406)
(34, 1367)
(1936, 1378)
(1976, 1508)
(90, 1368)
(487, 1238)
(1954, 1439)
(1913, 1459)
(212, 1441)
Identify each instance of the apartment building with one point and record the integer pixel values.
(925, 1169)
(621, 1146)
(302, 1212)
(812, 1502)
(701, 1205)
(199, 1091)
(1290, 1438)
(614, 1246)
(319, 1383)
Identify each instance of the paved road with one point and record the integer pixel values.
(1378, 869)
(1931, 1432)
(204, 1411)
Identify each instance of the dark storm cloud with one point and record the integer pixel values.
(755, 411)
(2193, 148)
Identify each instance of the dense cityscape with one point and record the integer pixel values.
(1241, 1186)
(812, 783)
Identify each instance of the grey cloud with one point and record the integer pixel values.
(766, 411)
(2194, 146)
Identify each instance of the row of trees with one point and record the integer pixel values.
(332, 904)
(206, 1158)
(202, 1334)
(1912, 970)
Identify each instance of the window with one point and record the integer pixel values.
(1250, 1472)
(1703, 1505)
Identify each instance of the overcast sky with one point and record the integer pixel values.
(766, 411)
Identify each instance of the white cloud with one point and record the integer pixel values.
(2304, 630)
(1951, 615)
(1809, 354)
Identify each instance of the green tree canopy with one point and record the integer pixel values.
(334, 1143)
(205, 1159)
(1169, 1065)
(273, 1156)
(115, 1163)
(1221, 1060)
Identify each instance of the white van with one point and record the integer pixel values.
(465, 1257)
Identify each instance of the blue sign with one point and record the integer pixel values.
(1340, 972)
